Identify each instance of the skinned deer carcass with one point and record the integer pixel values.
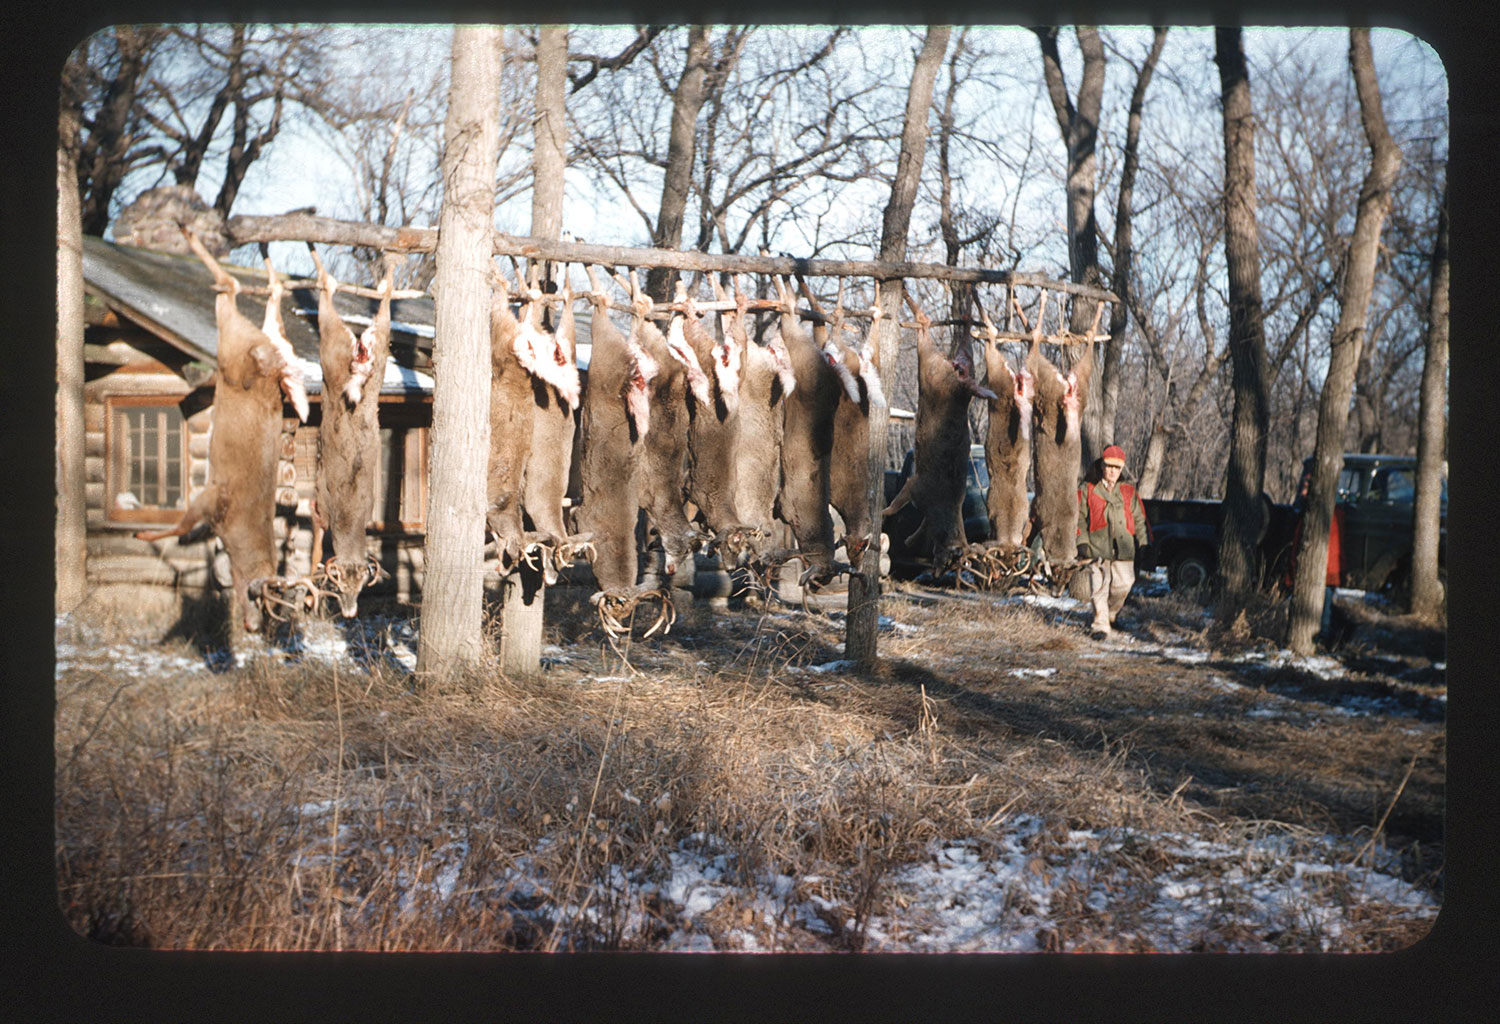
(1058, 411)
(240, 499)
(348, 439)
(714, 434)
(849, 469)
(945, 385)
(614, 422)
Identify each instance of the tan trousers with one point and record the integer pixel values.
(1109, 585)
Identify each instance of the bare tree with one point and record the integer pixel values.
(107, 75)
(1079, 124)
(452, 592)
(864, 585)
(1122, 248)
(72, 528)
(1243, 513)
(687, 101)
(1344, 349)
(238, 69)
(1432, 440)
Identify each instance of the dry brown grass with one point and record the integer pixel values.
(303, 806)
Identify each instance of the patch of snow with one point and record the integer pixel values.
(1040, 672)
(1186, 655)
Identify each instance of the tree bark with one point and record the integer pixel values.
(687, 101)
(521, 620)
(452, 592)
(1079, 125)
(1348, 338)
(1243, 512)
(1432, 439)
(864, 585)
(72, 530)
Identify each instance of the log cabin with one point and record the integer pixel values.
(150, 343)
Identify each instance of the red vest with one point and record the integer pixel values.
(1097, 506)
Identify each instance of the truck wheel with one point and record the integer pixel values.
(1190, 570)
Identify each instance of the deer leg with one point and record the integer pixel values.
(197, 511)
(319, 529)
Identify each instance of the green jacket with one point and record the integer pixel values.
(1111, 522)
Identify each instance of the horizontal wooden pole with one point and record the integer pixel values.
(1066, 338)
(305, 227)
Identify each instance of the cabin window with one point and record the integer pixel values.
(401, 480)
(147, 474)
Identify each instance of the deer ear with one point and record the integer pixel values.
(268, 361)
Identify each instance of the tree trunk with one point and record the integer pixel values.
(1243, 512)
(864, 585)
(1432, 440)
(1080, 132)
(1348, 338)
(687, 100)
(1156, 456)
(521, 620)
(1119, 318)
(452, 593)
(72, 529)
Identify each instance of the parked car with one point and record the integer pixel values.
(1185, 538)
(1376, 493)
(905, 562)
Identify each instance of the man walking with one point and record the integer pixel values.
(1111, 524)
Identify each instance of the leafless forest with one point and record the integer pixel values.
(792, 151)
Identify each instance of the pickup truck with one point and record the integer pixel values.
(906, 563)
(1376, 493)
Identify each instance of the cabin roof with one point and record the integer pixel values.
(172, 296)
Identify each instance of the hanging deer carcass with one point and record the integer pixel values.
(614, 422)
(768, 381)
(1058, 443)
(1007, 443)
(662, 472)
(512, 344)
(555, 393)
(239, 502)
(807, 442)
(945, 385)
(348, 439)
(849, 468)
(714, 434)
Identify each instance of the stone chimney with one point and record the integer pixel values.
(151, 221)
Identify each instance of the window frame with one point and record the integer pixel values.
(117, 458)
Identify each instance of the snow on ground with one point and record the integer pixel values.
(967, 895)
(364, 640)
(964, 895)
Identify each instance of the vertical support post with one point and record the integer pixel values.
(863, 619)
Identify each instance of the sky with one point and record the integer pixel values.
(301, 169)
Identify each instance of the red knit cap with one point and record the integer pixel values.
(1114, 455)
